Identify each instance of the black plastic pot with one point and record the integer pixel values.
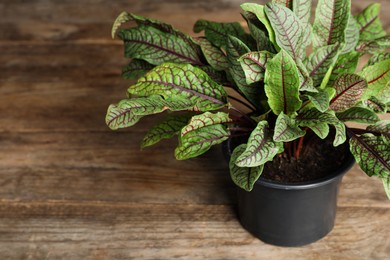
(291, 214)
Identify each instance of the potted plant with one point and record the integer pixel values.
(278, 93)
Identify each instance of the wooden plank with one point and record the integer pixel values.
(108, 166)
(61, 21)
(78, 230)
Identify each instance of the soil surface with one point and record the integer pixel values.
(318, 159)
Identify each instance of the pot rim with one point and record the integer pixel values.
(339, 173)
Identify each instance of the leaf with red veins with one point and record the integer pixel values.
(349, 90)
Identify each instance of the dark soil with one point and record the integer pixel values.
(318, 159)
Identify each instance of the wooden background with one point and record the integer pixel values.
(72, 189)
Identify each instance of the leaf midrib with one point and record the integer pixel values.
(181, 56)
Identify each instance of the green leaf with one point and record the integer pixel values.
(386, 185)
(359, 115)
(372, 154)
(320, 100)
(182, 80)
(163, 27)
(258, 10)
(235, 49)
(157, 47)
(302, 9)
(136, 68)
(376, 58)
(313, 118)
(346, 63)
(351, 35)
(349, 90)
(285, 3)
(330, 22)
(128, 112)
(216, 75)
(244, 177)
(370, 27)
(254, 64)
(168, 128)
(217, 33)
(374, 46)
(319, 62)
(282, 84)
(375, 105)
(377, 76)
(380, 127)
(286, 130)
(214, 55)
(260, 148)
(321, 130)
(261, 38)
(200, 141)
(306, 82)
(288, 29)
(204, 120)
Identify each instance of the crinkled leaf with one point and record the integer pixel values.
(380, 127)
(375, 105)
(282, 84)
(312, 117)
(261, 38)
(349, 90)
(359, 115)
(217, 33)
(184, 80)
(302, 9)
(235, 49)
(243, 177)
(319, 62)
(351, 35)
(378, 57)
(372, 153)
(136, 68)
(200, 141)
(374, 46)
(345, 63)
(128, 111)
(258, 10)
(285, 129)
(254, 64)
(156, 47)
(203, 120)
(260, 148)
(330, 22)
(161, 26)
(288, 29)
(320, 100)
(214, 55)
(306, 82)
(216, 75)
(370, 27)
(321, 130)
(166, 129)
(377, 76)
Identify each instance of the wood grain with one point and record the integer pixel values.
(72, 189)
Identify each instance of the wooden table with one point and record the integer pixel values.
(72, 189)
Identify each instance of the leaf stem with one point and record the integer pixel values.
(359, 131)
